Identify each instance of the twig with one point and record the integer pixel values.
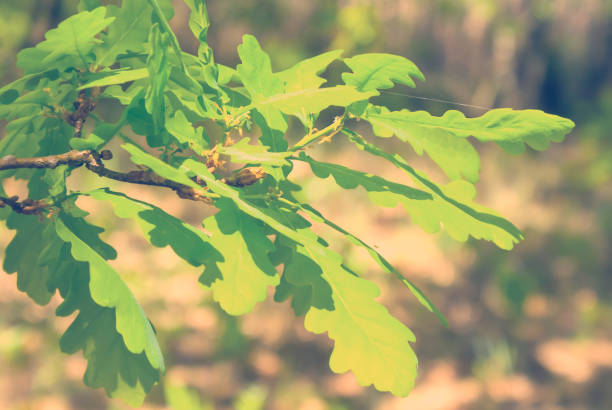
(327, 132)
(25, 207)
(93, 161)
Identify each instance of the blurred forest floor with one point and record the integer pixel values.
(529, 329)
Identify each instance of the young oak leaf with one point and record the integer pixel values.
(302, 278)
(159, 72)
(269, 98)
(22, 255)
(255, 71)
(74, 38)
(127, 33)
(445, 138)
(256, 75)
(380, 191)
(108, 290)
(379, 71)
(455, 156)
(316, 216)
(110, 364)
(242, 278)
(161, 228)
(199, 23)
(244, 153)
(451, 206)
(368, 340)
(312, 100)
(181, 128)
(305, 74)
(116, 77)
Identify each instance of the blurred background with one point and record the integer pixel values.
(529, 329)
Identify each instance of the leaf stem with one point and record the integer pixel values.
(328, 131)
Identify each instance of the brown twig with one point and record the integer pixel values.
(93, 161)
(25, 207)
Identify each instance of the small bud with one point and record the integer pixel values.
(106, 155)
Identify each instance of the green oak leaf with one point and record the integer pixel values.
(115, 77)
(108, 290)
(455, 156)
(162, 229)
(128, 32)
(304, 75)
(22, 255)
(303, 279)
(451, 206)
(124, 97)
(256, 75)
(199, 24)
(377, 257)
(22, 137)
(244, 153)
(141, 121)
(110, 364)
(272, 136)
(44, 263)
(227, 74)
(242, 278)
(159, 72)
(368, 340)
(198, 19)
(314, 100)
(255, 71)
(380, 190)
(92, 142)
(440, 136)
(28, 104)
(34, 136)
(182, 129)
(68, 44)
(379, 71)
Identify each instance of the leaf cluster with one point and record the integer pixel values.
(261, 236)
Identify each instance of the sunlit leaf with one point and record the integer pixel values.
(242, 278)
(444, 138)
(451, 207)
(128, 32)
(159, 72)
(455, 155)
(118, 77)
(305, 74)
(73, 39)
(108, 290)
(244, 153)
(379, 71)
(368, 340)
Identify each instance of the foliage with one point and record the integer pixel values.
(175, 100)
